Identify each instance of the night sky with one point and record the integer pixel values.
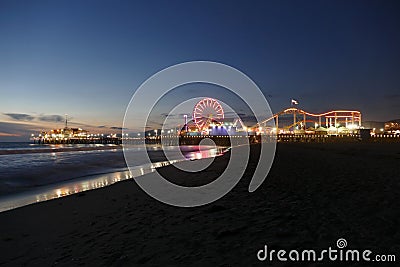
(86, 58)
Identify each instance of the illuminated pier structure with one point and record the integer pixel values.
(289, 125)
(302, 122)
(74, 136)
(69, 135)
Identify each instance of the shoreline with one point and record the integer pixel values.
(49, 192)
(82, 184)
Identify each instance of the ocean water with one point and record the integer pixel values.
(11, 146)
(32, 173)
(26, 165)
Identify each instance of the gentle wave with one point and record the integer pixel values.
(53, 149)
(29, 178)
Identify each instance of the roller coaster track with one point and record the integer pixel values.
(354, 115)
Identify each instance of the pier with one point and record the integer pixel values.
(209, 123)
(87, 140)
(226, 140)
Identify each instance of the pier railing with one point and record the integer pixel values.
(87, 140)
(223, 140)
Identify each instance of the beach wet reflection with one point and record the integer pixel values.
(201, 152)
(75, 186)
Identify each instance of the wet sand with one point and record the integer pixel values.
(313, 195)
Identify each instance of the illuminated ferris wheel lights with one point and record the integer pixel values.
(206, 111)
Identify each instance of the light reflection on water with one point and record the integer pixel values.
(97, 181)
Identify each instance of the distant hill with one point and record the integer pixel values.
(377, 124)
(396, 120)
(373, 124)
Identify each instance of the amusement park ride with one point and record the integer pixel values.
(208, 119)
(206, 112)
(332, 122)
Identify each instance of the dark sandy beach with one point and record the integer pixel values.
(313, 195)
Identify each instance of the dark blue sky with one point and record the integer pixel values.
(86, 58)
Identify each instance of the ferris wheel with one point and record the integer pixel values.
(206, 111)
